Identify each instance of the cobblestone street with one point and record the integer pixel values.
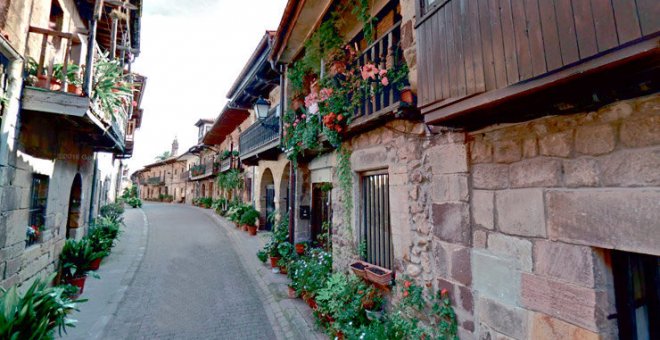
(189, 285)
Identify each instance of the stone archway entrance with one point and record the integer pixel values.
(73, 216)
(267, 197)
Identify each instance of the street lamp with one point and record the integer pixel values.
(261, 107)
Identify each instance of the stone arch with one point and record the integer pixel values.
(283, 192)
(267, 196)
(75, 205)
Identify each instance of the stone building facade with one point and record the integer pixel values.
(50, 176)
(530, 219)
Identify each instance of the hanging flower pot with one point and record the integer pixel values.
(358, 268)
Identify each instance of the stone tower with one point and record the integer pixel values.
(175, 147)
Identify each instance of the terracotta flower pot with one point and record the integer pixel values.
(252, 230)
(358, 268)
(379, 275)
(245, 227)
(273, 261)
(77, 281)
(283, 270)
(292, 293)
(75, 89)
(407, 95)
(55, 85)
(300, 248)
(96, 264)
(42, 81)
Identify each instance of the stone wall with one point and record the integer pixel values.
(549, 197)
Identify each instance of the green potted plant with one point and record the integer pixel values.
(249, 218)
(75, 261)
(285, 250)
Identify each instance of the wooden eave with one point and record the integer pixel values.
(227, 122)
(298, 23)
(468, 111)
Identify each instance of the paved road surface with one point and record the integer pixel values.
(189, 285)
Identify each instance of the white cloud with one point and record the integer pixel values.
(192, 52)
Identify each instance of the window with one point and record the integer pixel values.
(376, 232)
(427, 5)
(37, 213)
(637, 289)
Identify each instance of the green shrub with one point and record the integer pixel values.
(37, 313)
(250, 216)
(262, 255)
(77, 256)
(134, 202)
(102, 234)
(113, 211)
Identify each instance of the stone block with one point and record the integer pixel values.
(441, 259)
(479, 238)
(507, 151)
(595, 139)
(567, 262)
(448, 188)
(495, 277)
(521, 212)
(13, 266)
(536, 172)
(451, 222)
(461, 268)
(369, 158)
(517, 249)
(557, 144)
(508, 320)
(490, 176)
(530, 148)
(615, 111)
(466, 298)
(545, 327)
(482, 208)
(585, 307)
(448, 159)
(631, 168)
(624, 219)
(581, 172)
(640, 132)
(481, 151)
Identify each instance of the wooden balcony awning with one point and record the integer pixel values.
(227, 122)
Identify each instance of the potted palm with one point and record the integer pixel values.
(249, 218)
(75, 262)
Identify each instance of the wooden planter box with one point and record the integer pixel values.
(359, 267)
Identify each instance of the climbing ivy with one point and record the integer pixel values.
(344, 173)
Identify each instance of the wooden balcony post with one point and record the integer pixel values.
(89, 70)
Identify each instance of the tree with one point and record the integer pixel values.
(165, 155)
(229, 182)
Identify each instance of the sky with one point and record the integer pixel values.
(191, 53)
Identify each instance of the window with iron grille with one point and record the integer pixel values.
(376, 231)
(37, 215)
(637, 289)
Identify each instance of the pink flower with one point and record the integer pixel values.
(134, 103)
(369, 71)
(443, 292)
(385, 81)
(294, 124)
(325, 93)
(382, 72)
(303, 116)
(314, 108)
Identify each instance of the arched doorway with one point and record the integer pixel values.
(267, 197)
(284, 193)
(203, 192)
(73, 216)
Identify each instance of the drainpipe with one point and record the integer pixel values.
(93, 194)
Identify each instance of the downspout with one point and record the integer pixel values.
(93, 194)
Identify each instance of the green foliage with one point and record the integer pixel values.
(103, 233)
(235, 212)
(361, 11)
(324, 42)
(133, 202)
(77, 256)
(37, 313)
(343, 297)
(345, 175)
(279, 235)
(250, 216)
(113, 211)
(109, 87)
(309, 273)
(262, 255)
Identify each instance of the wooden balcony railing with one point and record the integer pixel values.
(259, 134)
(384, 53)
(156, 180)
(203, 170)
(46, 68)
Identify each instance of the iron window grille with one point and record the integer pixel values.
(376, 230)
(37, 212)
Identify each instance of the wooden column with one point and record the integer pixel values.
(89, 70)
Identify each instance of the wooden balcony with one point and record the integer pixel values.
(477, 57)
(229, 163)
(260, 140)
(156, 180)
(202, 171)
(49, 90)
